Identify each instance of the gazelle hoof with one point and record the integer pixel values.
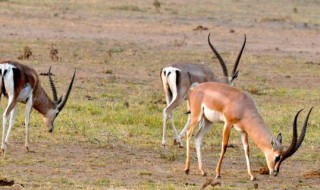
(27, 149)
(178, 142)
(187, 171)
(204, 174)
(218, 177)
(252, 178)
(175, 142)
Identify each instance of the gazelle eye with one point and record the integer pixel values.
(277, 159)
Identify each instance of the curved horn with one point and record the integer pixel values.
(295, 144)
(53, 88)
(239, 56)
(303, 131)
(65, 99)
(222, 63)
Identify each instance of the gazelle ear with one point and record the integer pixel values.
(279, 138)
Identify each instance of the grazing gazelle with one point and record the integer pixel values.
(215, 102)
(20, 83)
(178, 78)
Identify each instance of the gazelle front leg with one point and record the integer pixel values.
(189, 134)
(226, 135)
(27, 121)
(167, 112)
(244, 138)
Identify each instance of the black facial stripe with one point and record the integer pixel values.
(277, 159)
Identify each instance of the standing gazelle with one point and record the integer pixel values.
(20, 83)
(214, 102)
(178, 78)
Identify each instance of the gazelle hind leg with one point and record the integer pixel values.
(4, 122)
(9, 110)
(206, 126)
(225, 139)
(11, 123)
(244, 139)
(183, 132)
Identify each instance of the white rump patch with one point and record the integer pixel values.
(167, 70)
(169, 77)
(7, 74)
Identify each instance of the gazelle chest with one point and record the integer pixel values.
(25, 93)
(212, 115)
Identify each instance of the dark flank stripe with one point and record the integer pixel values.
(16, 77)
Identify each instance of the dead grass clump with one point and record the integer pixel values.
(128, 8)
(200, 28)
(27, 53)
(254, 90)
(264, 170)
(108, 71)
(313, 174)
(6, 182)
(54, 54)
(210, 181)
(159, 101)
(268, 19)
(156, 5)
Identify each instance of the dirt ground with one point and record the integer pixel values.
(132, 40)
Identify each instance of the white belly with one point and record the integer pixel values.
(212, 115)
(25, 93)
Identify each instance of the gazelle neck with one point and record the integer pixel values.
(258, 131)
(41, 101)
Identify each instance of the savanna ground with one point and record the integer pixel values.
(109, 134)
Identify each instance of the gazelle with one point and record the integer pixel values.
(215, 102)
(20, 83)
(178, 78)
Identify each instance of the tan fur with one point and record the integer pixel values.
(41, 101)
(238, 109)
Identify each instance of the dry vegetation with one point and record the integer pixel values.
(109, 134)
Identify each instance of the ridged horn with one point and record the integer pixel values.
(222, 63)
(296, 143)
(235, 68)
(53, 88)
(65, 98)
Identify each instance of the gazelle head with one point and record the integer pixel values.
(276, 156)
(58, 103)
(228, 79)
